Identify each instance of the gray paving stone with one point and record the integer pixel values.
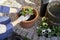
(30, 35)
(23, 33)
(48, 39)
(54, 38)
(58, 38)
(42, 38)
(19, 31)
(35, 37)
(58, 0)
(30, 29)
(15, 29)
(21, 2)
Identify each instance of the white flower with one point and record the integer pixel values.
(37, 27)
(44, 18)
(45, 24)
(43, 31)
(49, 30)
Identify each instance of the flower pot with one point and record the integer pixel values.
(30, 22)
(53, 12)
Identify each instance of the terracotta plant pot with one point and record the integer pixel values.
(30, 23)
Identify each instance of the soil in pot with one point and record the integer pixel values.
(31, 17)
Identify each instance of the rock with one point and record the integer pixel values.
(35, 37)
(54, 38)
(42, 38)
(23, 33)
(30, 35)
(48, 39)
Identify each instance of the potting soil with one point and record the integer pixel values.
(31, 17)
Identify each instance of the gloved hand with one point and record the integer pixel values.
(21, 18)
(2, 28)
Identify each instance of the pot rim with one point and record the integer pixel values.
(50, 4)
(35, 16)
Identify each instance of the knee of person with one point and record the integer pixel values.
(1, 14)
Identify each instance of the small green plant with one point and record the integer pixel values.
(43, 28)
(25, 38)
(46, 30)
(25, 11)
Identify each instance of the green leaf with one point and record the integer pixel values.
(58, 33)
(30, 9)
(39, 31)
(25, 38)
(27, 11)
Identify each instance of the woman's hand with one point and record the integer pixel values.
(21, 18)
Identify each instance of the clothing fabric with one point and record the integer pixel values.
(8, 33)
(4, 9)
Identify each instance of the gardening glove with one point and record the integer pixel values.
(2, 28)
(21, 18)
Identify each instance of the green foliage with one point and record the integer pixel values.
(25, 11)
(39, 31)
(55, 30)
(25, 38)
(42, 26)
